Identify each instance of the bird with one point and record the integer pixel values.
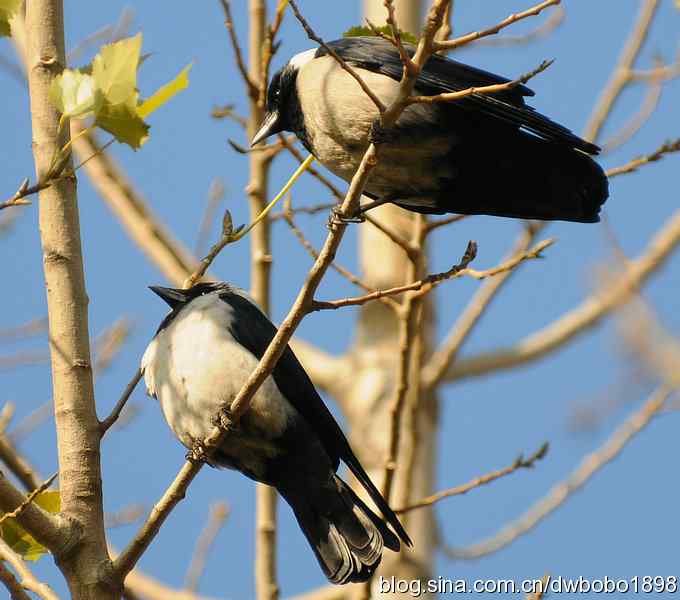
(200, 357)
(483, 154)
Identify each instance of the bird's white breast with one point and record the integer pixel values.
(194, 366)
(338, 116)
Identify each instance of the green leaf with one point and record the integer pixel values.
(362, 31)
(123, 122)
(164, 93)
(22, 542)
(74, 94)
(8, 8)
(115, 69)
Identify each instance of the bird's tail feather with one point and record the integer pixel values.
(345, 535)
(533, 179)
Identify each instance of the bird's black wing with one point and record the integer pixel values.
(254, 331)
(441, 75)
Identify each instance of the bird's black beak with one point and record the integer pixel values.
(271, 125)
(172, 296)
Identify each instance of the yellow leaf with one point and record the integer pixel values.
(74, 94)
(115, 69)
(8, 8)
(164, 93)
(123, 122)
(22, 542)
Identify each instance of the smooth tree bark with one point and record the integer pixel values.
(85, 561)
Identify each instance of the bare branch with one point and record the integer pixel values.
(581, 318)
(442, 358)
(106, 424)
(475, 35)
(425, 285)
(312, 36)
(561, 492)
(622, 72)
(16, 592)
(218, 515)
(519, 463)
(636, 163)
(28, 579)
(553, 21)
(20, 509)
(251, 87)
(484, 89)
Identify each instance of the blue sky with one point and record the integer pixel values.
(624, 523)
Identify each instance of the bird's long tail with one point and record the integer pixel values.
(531, 178)
(345, 535)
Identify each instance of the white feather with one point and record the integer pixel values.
(194, 365)
(300, 60)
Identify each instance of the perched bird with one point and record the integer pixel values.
(201, 355)
(484, 154)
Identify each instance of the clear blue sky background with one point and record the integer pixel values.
(624, 523)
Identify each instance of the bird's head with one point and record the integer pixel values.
(175, 297)
(282, 98)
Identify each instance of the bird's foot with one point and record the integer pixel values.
(198, 453)
(224, 420)
(378, 134)
(337, 218)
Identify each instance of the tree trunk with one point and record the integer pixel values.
(368, 399)
(78, 435)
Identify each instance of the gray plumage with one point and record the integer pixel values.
(485, 154)
(199, 359)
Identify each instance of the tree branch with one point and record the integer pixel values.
(448, 45)
(622, 72)
(581, 318)
(590, 465)
(28, 579)
(519, 463)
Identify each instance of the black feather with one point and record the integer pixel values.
(254, 331)
(441, 75)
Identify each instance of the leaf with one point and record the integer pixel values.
(22, 542)
(115, 69)
(8, 8)
(74, 94)
(164, 93)
(362, 31)
(123, 122)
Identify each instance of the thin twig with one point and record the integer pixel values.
(19, 509)
(543, 30)
(251, 88)
(475, 35)
(519, 463)
(106, 424)
(18, 465)
(218, 515)
(287, 215)
(621, 75)
(424, 285)
(16, 591)
(484, 89)
(638, 120)
(312, 36)
(561, 492)
(443, 357)
(581, 318)
(636, 163)
(28, 580)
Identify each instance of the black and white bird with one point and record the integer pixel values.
(484, 154)
(201, 355)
